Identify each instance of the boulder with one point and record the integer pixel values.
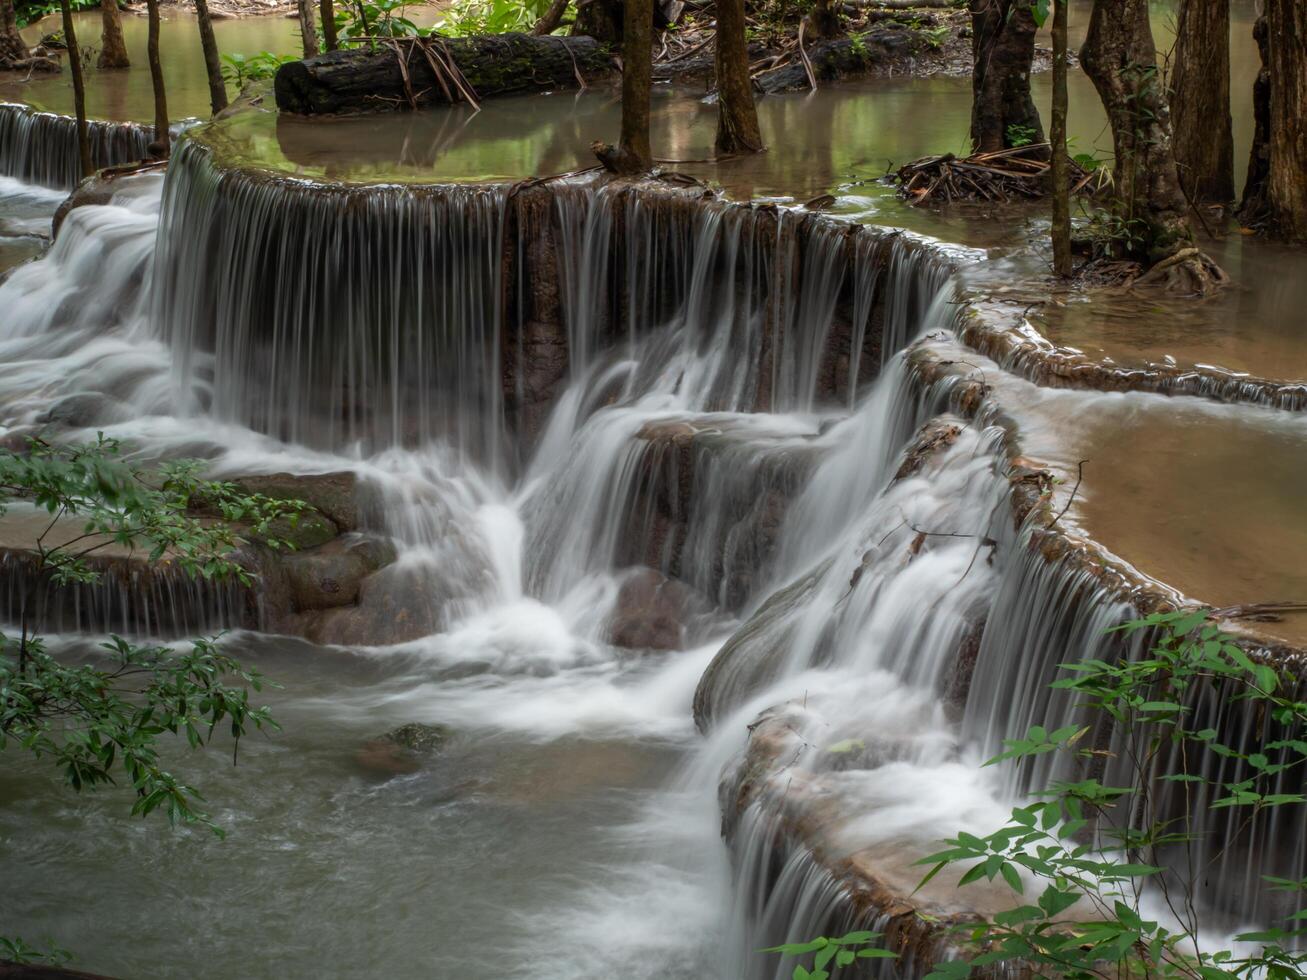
(653, 612)
(334, 495)
(331, 575)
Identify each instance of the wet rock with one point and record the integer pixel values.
(394, 605)
(933, 438)
(653, 612)
(83, 410)
(96, 189)
(331, 575)
(402, 750)
(334, 495)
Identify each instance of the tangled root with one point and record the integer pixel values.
(1189, 272)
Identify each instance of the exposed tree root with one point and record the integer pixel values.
(1189, 272)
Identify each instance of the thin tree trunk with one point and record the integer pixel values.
(1003, 112)
(737, 116)
(552, 17)
(212, 64)
(308, 30)
(1204, 134)
(161, 136)
(327, 10)
(79, 89)
(1286, 185)
(633, 155)
(113, 49)
(1061, 231)
(1252, 210)
(12, 48)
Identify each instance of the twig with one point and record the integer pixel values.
(1080, 475)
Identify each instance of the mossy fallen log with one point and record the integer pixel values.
(406, 73)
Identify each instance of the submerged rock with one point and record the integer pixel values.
(401, 750)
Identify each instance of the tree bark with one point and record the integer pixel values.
(113, 49)
(1061, 231)
(599, 19)
(1204, 133)
(212, 64)
(327, 10)
(360, 80)
(79, 89)
(549, 21)
(737, 116)
(1252, 210)
(1003, 112)
(1121, 60)
(162, 138)
(308, 30)
(12, 48)
(1286, 184)
(633, 154)
(822, 20)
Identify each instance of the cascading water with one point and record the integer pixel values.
(544, 388)
(41, 147)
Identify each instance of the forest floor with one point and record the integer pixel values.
(873, 40)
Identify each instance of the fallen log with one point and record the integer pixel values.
(410, 72)
(877, 51)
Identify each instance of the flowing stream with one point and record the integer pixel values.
(723, 401)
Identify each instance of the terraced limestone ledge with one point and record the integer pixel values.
(1006, 336)
(768, 803)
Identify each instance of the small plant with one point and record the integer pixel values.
(1018, 135)
(934, 36)
(842, 952)
(371, 20)
(239, 69)
(491, 16)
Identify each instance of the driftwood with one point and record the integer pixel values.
(407, 73)
(1002, 175)
(834, 59)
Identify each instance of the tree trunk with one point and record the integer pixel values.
(737, 116)
(113, 49)
(633, 155)
(1204, 134)
(79, 89)
(1252, 211)
(1061, 231)
(822, 20)
(1003, 113)
(212, 64)
(548, 23)
(12, 48)
(161, 146)
(327, 10)
(1121, 60)
(599, 19)
(308, 30)
(1286, 185)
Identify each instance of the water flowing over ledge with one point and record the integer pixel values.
(41, 147)
(545, 387)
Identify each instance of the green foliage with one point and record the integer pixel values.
(1079, 860)
(491, 16)
(103, 719)
(238, 69)
(1040, 10)
(1088, 863)
(1020, 135)
(367, 20)
(842, 952)
(935, 36)
(31, 12)
(17, 951)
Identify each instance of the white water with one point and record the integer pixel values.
(852, 626)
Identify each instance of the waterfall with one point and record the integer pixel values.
(557, 393)
(41, 147)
